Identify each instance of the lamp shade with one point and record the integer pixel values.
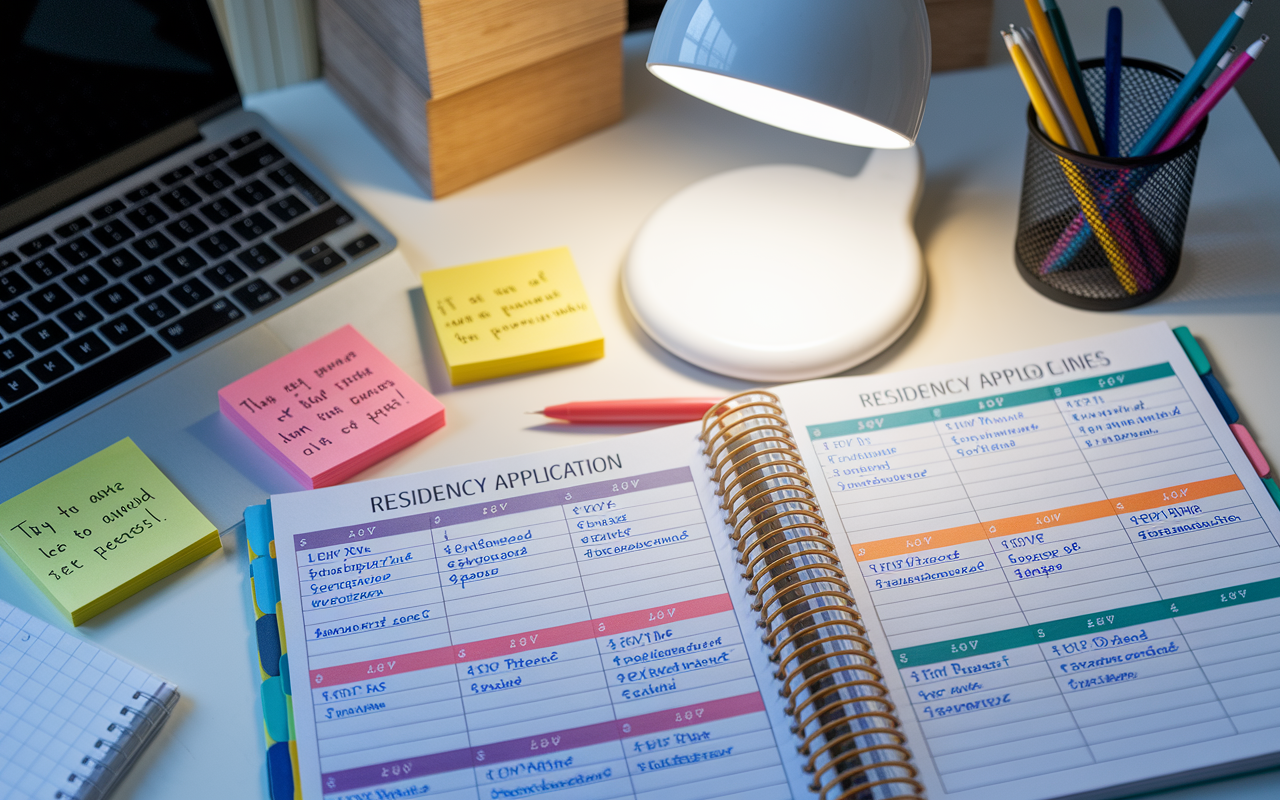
(851, 71)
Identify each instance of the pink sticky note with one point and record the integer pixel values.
(331, 409)
(1251, 449)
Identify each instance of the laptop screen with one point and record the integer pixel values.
(93, 89)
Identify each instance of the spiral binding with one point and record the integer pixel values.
(118, 754)
(834, 689)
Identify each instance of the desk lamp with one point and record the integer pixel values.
(779, 272)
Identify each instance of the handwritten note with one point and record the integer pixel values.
(103, 529)
(512, 315)
(331, 409)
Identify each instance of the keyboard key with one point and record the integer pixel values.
(289, 176)
(121, 329)
(36, 245)
(108, 209)
(220, 210)
(186, 228)
(50, 298)
(16, 317)
(256, 294)
(174, 175)
(14, 387)
(258, 257)
(73, 390)
(321, 258)
(79, 317)
(244, 141)
(218, 244)
(116, 298)
(288, 209)
(223, 276)
(294, 280)
(253, 226)
(78, 251)
(44, 268)
(152, 279)
(152, 246)
(119, 263)
(184, 262)
(147, 215)
(361, 245)
(214, 181)
(86, 280)
(212, 157)
(12, 353)
(191, 293)
(86, 348)
(254, 160)
(49, 367)
(199, 324)
(110, 234)
(12, 285)
(312, 228)
(8, 260)
(254, 192)
(179, 199)
(145, 190)
(73, 227)
(44, 335)
(156, 311)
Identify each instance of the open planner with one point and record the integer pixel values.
(1047, 574)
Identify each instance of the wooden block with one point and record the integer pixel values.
(453, 141)
(960, 31)
(449, 46)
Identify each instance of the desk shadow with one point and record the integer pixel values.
(230, 444)
(432, 360)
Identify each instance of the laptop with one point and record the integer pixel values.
(148, 224)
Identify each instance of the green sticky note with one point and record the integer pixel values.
(103, 529)
(1198, 359)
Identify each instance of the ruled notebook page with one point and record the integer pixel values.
(568, 622)
(60, 709)
(1068, 559)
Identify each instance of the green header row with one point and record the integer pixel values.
(1085, 625)
(996, 402)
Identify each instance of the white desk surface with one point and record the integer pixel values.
(195, 626)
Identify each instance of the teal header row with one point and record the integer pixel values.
(1085, 625)
(992, 404)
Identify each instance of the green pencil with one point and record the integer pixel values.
(1059, 27)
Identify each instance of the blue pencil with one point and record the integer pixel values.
(1111, 113)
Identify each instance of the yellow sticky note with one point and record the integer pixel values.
(99, 531)
(511, 315)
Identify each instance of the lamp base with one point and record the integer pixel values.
(782, 273)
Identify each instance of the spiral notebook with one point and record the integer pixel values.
(73, 718)
(1047, 574)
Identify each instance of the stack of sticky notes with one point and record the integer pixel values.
(331, 409)
(511, 315)
(103, 529)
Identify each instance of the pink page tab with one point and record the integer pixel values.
(331, 409)
(1251, 449)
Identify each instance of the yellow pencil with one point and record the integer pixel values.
(1077, 182)
(1058, 69)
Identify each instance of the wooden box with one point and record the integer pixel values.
(461, 89)
(960, 31)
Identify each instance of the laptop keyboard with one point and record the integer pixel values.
(139, 279)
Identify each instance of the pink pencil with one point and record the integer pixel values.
(1216, 91)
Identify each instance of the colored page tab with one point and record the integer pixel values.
(1198, 359)
(512, 315)
(331, 409)
(99, 531)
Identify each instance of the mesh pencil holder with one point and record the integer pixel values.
(1106, 233)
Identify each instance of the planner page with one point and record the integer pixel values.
(554, 623)
(1073, 567)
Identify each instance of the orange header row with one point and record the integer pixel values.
(1009, 526)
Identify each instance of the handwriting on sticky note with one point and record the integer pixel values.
(94, 527)
(324, 410)
(512, 315)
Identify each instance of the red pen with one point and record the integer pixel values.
(622, 412)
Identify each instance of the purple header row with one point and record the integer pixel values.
(414, 523)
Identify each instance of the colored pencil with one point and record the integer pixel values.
(630, 412)
(1216, 91)
(1111, 113)
(1035, 59)
(1058, 69)
(1063, 37)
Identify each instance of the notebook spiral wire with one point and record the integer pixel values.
(835, 691)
